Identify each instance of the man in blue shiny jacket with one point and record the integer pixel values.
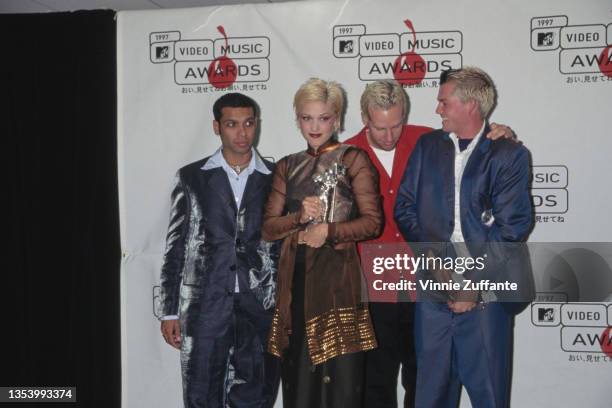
(465, 196)
(218, 275)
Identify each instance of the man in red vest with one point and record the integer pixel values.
(389, 141)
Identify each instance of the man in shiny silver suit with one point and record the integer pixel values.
(218, 275)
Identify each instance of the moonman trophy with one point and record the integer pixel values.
(326, 183)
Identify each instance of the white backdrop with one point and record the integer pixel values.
(544, 56)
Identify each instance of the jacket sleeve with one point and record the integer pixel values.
(174, 257)
(511, 201)
(364, 182)
(406, 203)
(276, 224)
(511, 206)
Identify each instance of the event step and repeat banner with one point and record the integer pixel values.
(551, 61)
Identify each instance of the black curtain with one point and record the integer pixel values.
(60, 276)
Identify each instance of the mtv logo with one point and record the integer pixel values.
(162, 53)
(346, 46)
(546, 39)
(546, 314)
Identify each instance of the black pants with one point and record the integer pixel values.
(336, 383)
(393, 325)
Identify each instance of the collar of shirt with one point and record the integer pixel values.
(328, 146)
(217, 160)
(455, 139)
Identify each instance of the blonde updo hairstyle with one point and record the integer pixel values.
(319, 90)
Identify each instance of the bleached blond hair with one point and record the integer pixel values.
(319, 90)
(384, 94)
(472, 83)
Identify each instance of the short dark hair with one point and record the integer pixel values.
(234, 100)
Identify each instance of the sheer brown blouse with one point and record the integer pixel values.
(337, 319)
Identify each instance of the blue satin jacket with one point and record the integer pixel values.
(495, 182)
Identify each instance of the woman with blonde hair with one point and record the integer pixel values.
(323, 200)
